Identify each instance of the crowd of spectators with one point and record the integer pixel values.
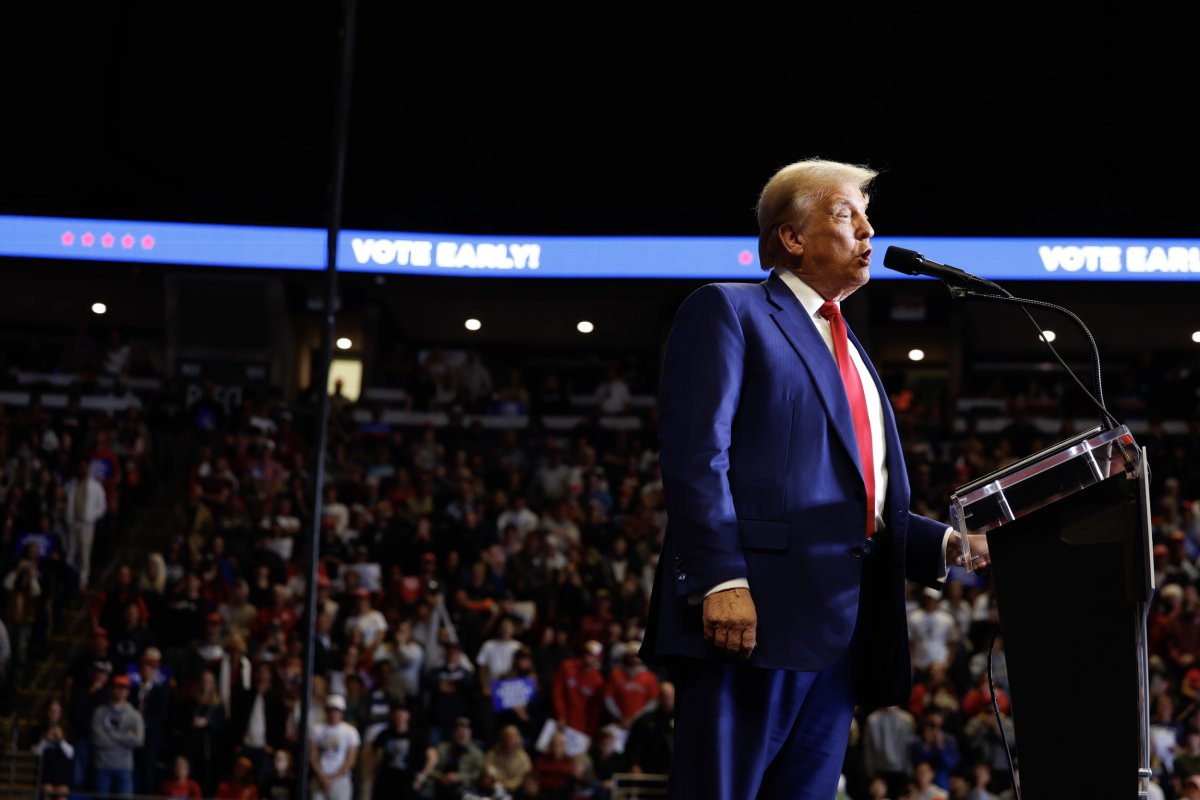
(480, 599)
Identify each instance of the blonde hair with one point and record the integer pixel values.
(791, 193)
(158, 583)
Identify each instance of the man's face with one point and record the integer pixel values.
(834, 243)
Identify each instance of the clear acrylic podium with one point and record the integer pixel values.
(1068, 533)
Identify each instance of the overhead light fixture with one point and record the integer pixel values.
(99, 308)
(473, 324)
(916, 354)
(585, 327)
(344, 343)
(1048, 336)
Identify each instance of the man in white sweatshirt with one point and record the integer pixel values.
(333, 752)
(86, 505)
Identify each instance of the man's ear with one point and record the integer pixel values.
(791, 238)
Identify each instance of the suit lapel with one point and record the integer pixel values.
(804, 338)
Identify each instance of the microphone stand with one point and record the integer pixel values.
(1107, 422)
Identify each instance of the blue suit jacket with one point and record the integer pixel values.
(762, 480)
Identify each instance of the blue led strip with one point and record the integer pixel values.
(163, 242)
(1059, 259)
(548, 256)
(694, 258)
(733, 258)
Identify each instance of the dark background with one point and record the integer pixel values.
(595, 120)
(985, 120)
(592, 120)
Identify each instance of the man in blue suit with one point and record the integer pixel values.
(779, 598)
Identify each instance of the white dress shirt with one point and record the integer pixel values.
(812, 302)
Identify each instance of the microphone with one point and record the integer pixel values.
(965, 285)
(910, 262)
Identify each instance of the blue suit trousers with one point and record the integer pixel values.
(761, 734)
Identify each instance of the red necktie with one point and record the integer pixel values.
(858, 403)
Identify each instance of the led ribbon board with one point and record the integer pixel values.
(162, 243)
(659, 257)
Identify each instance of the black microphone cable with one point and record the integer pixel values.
(1107, 420)
(910, 262)
(1012, 770)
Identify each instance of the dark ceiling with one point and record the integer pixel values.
(600, 122)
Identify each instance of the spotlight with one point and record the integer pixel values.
(473, 324)
(344, 343)
(585, 327)
(99, 308)
(916, 354)
(1048, 336)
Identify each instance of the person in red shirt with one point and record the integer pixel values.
(108, 606)
(555, 768)
(979, 699)
(180, 785)
(578, 690)
(279, 611)
(242, 786)
(632, 689)
(595, 624)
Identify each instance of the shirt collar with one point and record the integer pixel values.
(808, 296)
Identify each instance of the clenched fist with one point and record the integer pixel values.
(731, 622)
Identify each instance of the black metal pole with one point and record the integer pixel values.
(321, 381)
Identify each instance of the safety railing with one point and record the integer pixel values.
(638, 786)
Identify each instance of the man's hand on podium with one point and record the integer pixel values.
(979, 561)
